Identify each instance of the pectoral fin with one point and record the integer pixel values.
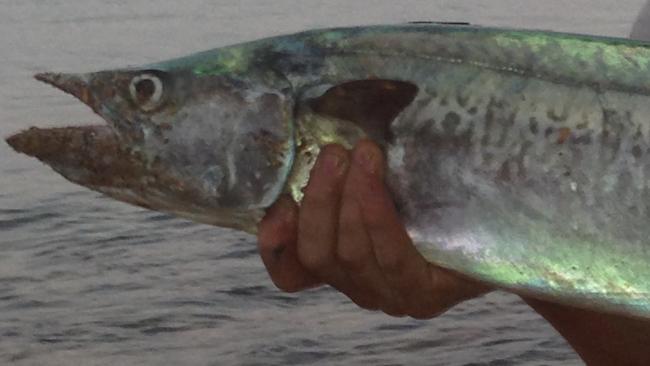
(371, 104)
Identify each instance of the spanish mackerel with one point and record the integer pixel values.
(519, 158)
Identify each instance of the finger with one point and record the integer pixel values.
(318, 224)
(318, 216)
(277, 237)
(406, 272)
(355, 252)
(426, 290)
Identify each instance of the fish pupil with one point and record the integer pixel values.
(145, 89)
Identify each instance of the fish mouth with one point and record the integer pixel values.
(51, 145)
(88, 155)
(94, 155)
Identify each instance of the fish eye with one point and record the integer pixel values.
(147, 91)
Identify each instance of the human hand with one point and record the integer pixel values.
(347, 233)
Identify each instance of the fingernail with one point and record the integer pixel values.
(368, 160)
(333, 163)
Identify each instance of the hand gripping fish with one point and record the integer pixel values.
(518, 158)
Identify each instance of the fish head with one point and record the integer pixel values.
(216, 148)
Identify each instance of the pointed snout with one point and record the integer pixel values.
(25, 142)
(64, 144)
(74, 84)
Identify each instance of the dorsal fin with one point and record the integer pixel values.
(371, 104)
(438, 22)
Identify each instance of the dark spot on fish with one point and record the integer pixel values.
(472, 110)
(423, 103)
(462, 100)
(487, 157)
(506, 127)
(567, 173)
(548, 132)
(450, 123)
(467, 137)
(156, 161)
(521, 156)
(157, 131)
(638, 134)
(428, 124)
(166, 126)
(459, 142)
(496, 103)
(534, 125)
(444, 101)
(432, 93)
(637, 152)
(553, 116)
(166, 140)
(605, 135)
(489, 122)
(504, 172)
(581, 140)
(613, 127)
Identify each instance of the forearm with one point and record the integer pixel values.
(600, 339)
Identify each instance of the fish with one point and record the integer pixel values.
(519, 158)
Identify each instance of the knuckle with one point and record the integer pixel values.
(353, 249)
(393, 265)
(351, 258)
(315, 261)
(393, 305)
(350, 222)
(289, 287)
(424, 314)
(426, 309)
(318, 196)
(393, 311)
(365, 303)
(374, 216)
(322, 193)
(366, 146)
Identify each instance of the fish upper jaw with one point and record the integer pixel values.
(73, 84)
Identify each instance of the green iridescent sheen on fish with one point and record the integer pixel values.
(519, 158)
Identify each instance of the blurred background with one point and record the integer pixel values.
(89, 281)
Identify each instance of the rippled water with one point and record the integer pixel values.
(85, 280)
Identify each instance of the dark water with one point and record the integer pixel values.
(88, 281)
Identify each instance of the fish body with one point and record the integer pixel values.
(518, 158)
